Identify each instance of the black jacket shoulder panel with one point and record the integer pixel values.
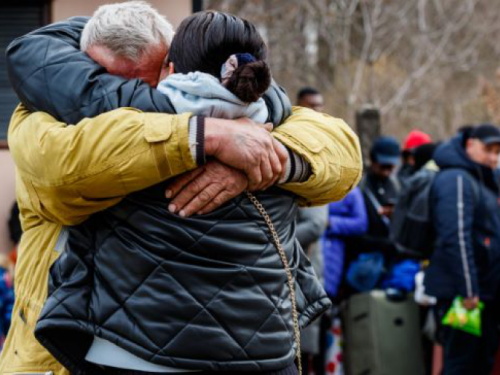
(178, 273)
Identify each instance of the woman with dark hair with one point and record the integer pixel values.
(223, 73)
(139, 290)
(215, 38)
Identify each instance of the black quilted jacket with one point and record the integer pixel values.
(204, 292)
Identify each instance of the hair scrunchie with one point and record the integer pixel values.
(232, 63)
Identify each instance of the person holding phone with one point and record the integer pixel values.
(380, 190)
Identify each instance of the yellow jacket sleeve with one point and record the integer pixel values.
(332, 150)
(71, 172)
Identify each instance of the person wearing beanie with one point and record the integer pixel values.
(415, 139)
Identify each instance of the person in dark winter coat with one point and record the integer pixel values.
(380, 190)
(311, 224)
(466, 259)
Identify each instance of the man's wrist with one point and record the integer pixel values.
(212, 135)
(197, 139)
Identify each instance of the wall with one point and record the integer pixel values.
(8, 196)
(174, 10)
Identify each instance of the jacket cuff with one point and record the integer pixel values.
(313, 311)
(197, 139)
(297, 169)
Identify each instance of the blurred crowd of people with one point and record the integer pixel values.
(426, 211)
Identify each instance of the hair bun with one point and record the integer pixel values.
(250, 81)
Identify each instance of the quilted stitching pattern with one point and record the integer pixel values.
(200, 290)
(199, 304)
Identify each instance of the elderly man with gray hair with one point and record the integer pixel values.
(113, 150)
(130, 40)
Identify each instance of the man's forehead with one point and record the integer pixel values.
(147, 68)
(488, 146)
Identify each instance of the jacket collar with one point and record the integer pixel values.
(452, 154)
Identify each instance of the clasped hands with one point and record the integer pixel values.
(242, 155)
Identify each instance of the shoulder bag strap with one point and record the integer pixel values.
(284, 260)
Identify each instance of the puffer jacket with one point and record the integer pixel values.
(466, 218)
(198, 293)
(346, 218)
(311, 297)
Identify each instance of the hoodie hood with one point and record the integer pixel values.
(203, 94)
(452, 154)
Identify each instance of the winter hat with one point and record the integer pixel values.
(486, 133)
(385, 150)
(415, 139)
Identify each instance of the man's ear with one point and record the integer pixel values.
(171, 69)
(469, 143)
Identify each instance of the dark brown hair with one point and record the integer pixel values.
(204, 41)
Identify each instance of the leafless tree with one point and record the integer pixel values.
(418, 61)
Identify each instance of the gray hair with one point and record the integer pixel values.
(127, 29)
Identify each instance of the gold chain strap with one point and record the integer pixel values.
(284, 260)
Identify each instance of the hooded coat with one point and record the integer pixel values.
(466, 217)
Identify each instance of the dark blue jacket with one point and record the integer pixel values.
(466, 217)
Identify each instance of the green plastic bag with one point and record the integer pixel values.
(459, 317)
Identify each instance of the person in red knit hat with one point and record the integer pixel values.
(415, 139)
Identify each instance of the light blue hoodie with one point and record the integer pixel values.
(203, 94)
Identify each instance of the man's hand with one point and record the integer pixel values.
(205, 189)
(247, 146)
(471, 303)
(386, 211)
